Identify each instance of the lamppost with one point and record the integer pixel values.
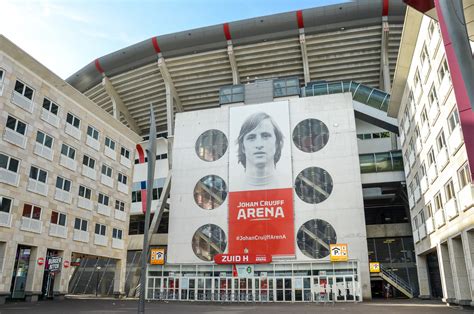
(97, 280)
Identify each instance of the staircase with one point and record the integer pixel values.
(396, 282)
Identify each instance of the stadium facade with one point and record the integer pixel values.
(323, 75)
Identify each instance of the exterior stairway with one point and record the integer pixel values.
(396, 282)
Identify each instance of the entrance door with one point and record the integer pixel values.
(223, 289)
(344, 288)
(302, 289)
(20, 272)
(283, 289)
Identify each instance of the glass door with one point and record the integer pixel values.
(20, 272)
(184, 289)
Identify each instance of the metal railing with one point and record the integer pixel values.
(398, 281)
(370, 96)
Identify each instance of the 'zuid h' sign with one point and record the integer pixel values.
(242, 259)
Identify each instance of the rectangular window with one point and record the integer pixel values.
(433, 98)
(429, 210)
(16, 125)
(231, 94)
(443, 70)
(117, 233)
(106, 170)
(157, 193)
(23, 89)
(92, 132)
(417, 79)
(5, 204)
(431, 157)
(119, 205)
(44, 139)
(423, 116)
(88, 161)
(103, 199)
(68, 151)
(58, 218)
(125, 152)
(122, 178)
(449, 190)
(80, 224)
(464, 176)
(431, 29)
(9, 163)
(286, 87)
(438, 201)
(73, 120)
(110, 143)
(31, 211)
(84, 192)
(100, 229)
(424, 54)
(440, 141)
(63, 184)
(50, 106)
(453, 120)
(136, 196)
(38, 174)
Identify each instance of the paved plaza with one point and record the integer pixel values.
(84, 305)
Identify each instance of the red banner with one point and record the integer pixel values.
(261, 222)
(242, 259)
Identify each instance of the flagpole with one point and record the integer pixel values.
(151, 156)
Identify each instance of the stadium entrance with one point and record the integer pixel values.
(294, 282)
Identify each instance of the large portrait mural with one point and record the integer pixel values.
(261, 219)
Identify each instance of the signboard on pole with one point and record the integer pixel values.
(157, 256)
(54, 263)
(338, 252)
(374, 267)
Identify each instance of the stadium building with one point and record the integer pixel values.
(317, 81)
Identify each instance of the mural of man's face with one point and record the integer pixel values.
(259, 145)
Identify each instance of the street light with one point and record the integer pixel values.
(97, 280)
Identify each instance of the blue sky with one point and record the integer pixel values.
(65, 35)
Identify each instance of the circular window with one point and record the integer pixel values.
(210, 192)
(314, 237)
(208, 241)
(310, 135)
(211, 145)
(313, 185)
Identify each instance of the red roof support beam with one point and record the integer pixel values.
(226, 29)
(98, 67)
(299, 19)
(385, 8)
(155, 45)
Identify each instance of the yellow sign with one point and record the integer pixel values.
(374, 267)
(157, 256)
(338, 252)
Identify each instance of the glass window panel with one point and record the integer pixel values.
(383, 162)
(314, 238)
(313, 185)
(210, 192)
(54, 217)
(397, 159)
(367, 163)
(13, 166)
(77, 223)
(208, 241)
(5, 204)
(3, 161)
(19, 87)
(310, 135)
(62, 219)
(211, 145)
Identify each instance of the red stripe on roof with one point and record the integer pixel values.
(155, 45)
(299, 18)
(98, 67)
(385, 8)
(226, 28)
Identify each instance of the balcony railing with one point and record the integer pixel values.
(5, 219)
(451, 208)
(364, 94)
(67, 162)
(43, 151)
(411, 201)
(429, 225)
(103, 209)
(31, 225)
(445, 87)
(100, 239)
(117, 243)
(416, 236)
(425, 131)
(422, 231)
(122, 187)
(85, 203)
(58, 231)
(37, 187)
(425, 70)
(105, 180)
(22, 102)
(89, 172)
(434, 112)
(417, 194)
(424, 184)
(9, 177)
(125, 161)
(439, 218)
(110, 153)
(120, 215)
(432, 173)
(14, 137)
(73, 131)
(80, 235)
(466, 197)
(442, 159)
(49, 117)
(455, 140)
(63, 196)
(92, 142)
